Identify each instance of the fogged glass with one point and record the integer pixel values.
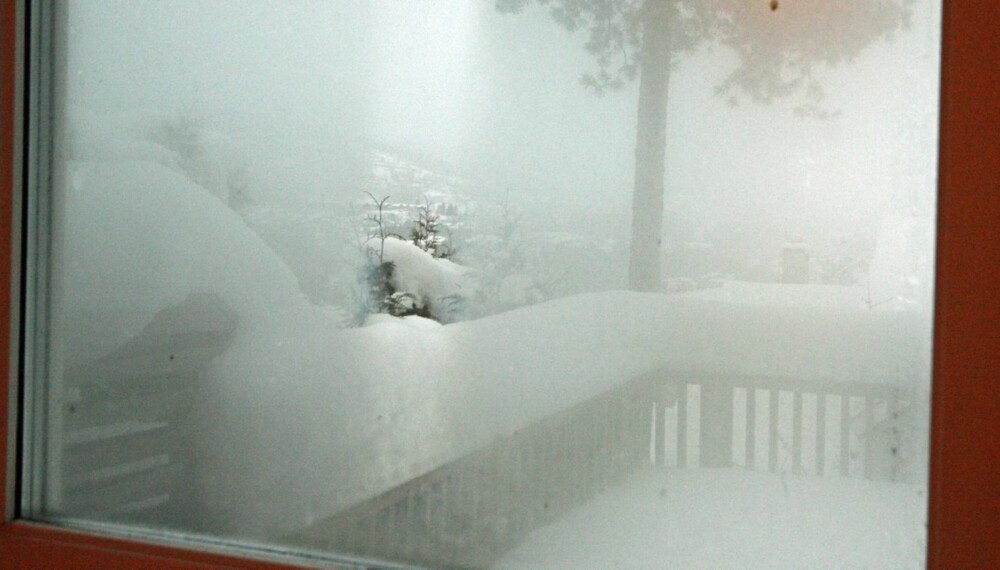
(513, 284)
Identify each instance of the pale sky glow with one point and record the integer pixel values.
(425, 72)
(497, 97)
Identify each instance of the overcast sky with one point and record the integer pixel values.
(498, 96)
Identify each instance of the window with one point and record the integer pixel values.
(945, 212)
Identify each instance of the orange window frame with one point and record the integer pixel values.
(963, 532)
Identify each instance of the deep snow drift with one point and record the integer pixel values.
(301, 418)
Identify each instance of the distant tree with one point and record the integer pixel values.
(377, 291)
(779, 45)
(426, 232)
(420, 286)
(183, 132)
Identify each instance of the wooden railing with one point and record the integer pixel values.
(465, 513)
(126, 454)
(123, 429)
(124, 432)
(864, 426)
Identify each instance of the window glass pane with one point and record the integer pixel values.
(515, 283)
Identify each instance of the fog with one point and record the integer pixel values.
(496, 98)
(364, 268)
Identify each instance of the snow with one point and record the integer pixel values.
(113, 138)
(825, 298)
(411, 321)
(902, 273)
(417, 272)
(300, 418)
(138, 237)
(369, 409)
(733, 519)
(517, 290)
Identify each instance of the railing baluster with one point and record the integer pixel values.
(797, 433)
(893, 411)
(820, 434)
(660, 431)
(682, 425)
(448, 505)
(772, 448)
(869, 436)
(590, 453)
(715, 425)
(614, 444)
(845, 435)
(537, 474)
(607, 443)
(751, 427)
(643, 431)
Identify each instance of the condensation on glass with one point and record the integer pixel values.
(602, 284)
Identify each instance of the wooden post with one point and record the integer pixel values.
(751, 427)
(716, 425)
(870, 451)
(772, 436)
(820, 434)
(682, 423)
(797, 433)
(893, 411)
(845, 435)
(660, 432)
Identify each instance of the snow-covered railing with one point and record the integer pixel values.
(123, 446)
(865, 427)
(466, 512)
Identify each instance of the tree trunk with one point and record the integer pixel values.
(650, 150)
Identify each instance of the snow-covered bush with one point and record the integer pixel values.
(512, 271)
(401, 280)
(426, 232)
(409, 278)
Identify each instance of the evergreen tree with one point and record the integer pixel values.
(426, 233)
(378, 289)
(778, 44)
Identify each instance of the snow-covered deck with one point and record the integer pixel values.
(732, 518)
(300, 420)
(477, 507)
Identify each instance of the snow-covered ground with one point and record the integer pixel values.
(302, 418)
(729, 519)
